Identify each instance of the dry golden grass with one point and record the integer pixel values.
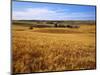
(53, 49)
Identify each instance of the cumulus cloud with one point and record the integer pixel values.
(34, 13)
(47, 14)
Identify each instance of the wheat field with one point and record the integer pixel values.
(53, 49)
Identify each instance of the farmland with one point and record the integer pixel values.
(53, 49)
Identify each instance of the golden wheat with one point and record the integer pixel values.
(53, 49)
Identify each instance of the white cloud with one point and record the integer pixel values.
(34, 13)
(47, 14)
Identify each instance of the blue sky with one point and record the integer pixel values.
(46, 11)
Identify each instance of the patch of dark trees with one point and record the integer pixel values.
(54, 25)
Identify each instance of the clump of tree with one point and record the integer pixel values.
(55, 24)
(31, 27)
(73, 26)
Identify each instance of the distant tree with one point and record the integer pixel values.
(56, 25)
(31, 27)
(72, 26)
(49, 22)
